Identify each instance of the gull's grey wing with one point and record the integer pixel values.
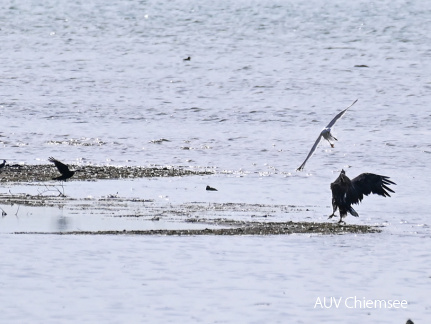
(311, 153)
(334, 120)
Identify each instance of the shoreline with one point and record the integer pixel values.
(222, 215)
(237, 228)
(18, 173)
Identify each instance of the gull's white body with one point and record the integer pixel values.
(326, 134)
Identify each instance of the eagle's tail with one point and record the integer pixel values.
(353, 212)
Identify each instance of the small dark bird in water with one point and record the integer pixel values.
(346, 192)
(63, 169)
(187, 58)
(2, 166)
(409, 321)
(211, 188)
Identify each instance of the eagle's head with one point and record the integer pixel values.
(342, 176)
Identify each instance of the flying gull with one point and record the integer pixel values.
(346, 192)
(326, 134)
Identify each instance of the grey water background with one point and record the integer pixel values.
(105, 83)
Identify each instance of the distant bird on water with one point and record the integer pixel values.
(211, 188)
(326, 134)
(63, 169)
(346, 192)
(188, 58)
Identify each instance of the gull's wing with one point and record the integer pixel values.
(62, 168)
(333, 121)
(311, 153)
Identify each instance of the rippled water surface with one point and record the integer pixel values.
(106, 83)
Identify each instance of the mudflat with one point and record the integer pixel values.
(223, 218)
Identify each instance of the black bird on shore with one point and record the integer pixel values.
(2, 166)
(346, 192)
(208, 188)
(63, 169)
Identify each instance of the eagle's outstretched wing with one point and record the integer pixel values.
(367, 183)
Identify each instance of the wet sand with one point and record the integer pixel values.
(241, 228)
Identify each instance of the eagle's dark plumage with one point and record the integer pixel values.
(63, 169)
(346, 192)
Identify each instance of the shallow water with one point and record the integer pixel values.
(97, 83)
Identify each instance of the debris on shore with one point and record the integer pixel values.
(45, 172)
(230, 228)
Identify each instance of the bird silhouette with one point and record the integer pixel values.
(326, 134)
(211, 188)
(2, 166)
(63, 169)
(346, 192)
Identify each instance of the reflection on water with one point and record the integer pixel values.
(63, 223)
(49, 219)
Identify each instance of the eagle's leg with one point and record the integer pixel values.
(341, 220)
(332, 215)
(334, 209)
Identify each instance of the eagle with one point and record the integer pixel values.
(346, 192)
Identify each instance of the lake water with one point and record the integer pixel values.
(105, 83)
